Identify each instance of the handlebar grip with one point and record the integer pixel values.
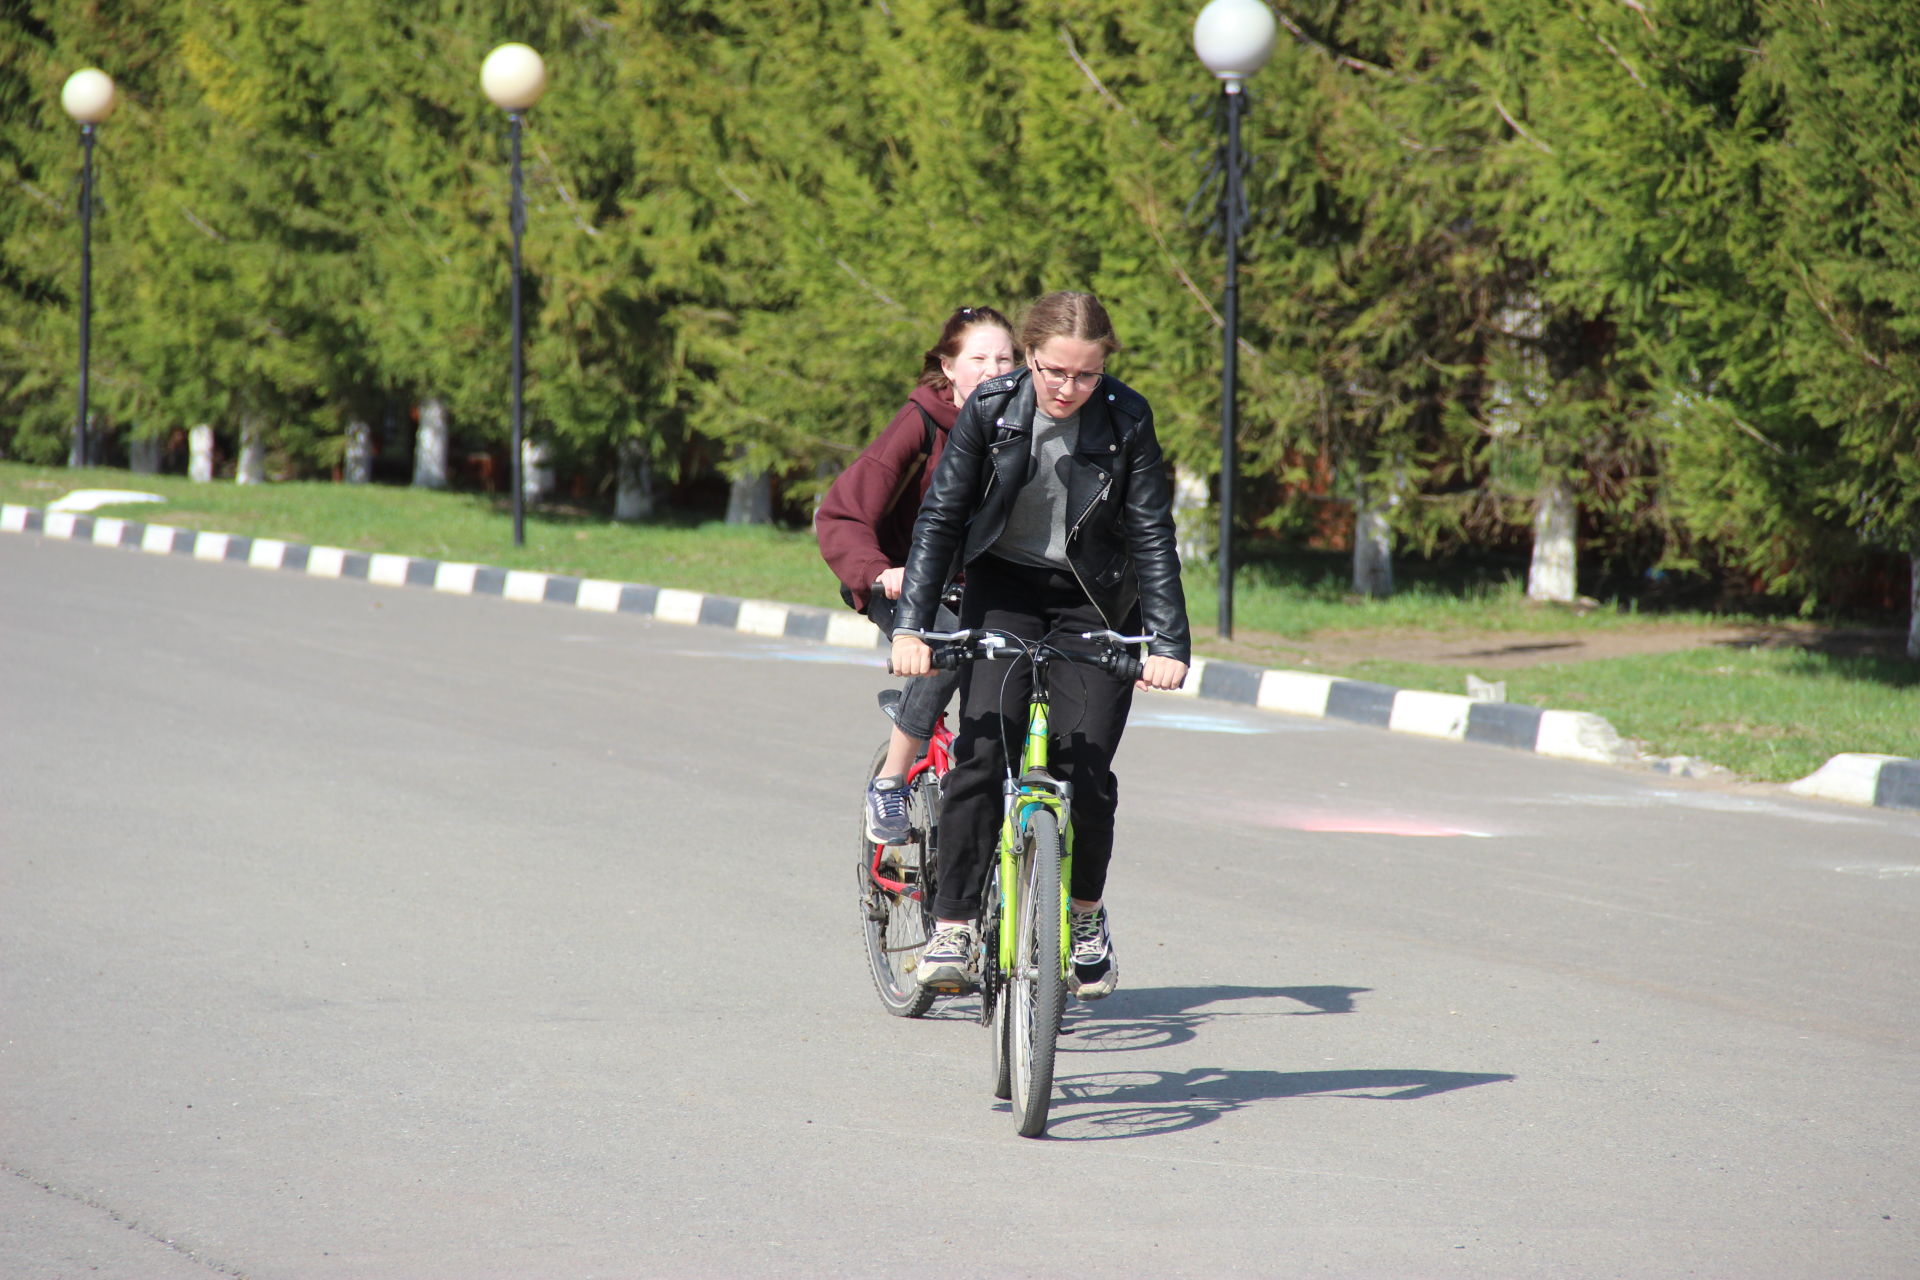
(948, 657)
(1125, 666)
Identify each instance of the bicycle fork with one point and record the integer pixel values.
(1022, 801)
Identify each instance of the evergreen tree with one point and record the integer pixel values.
(1843, 180)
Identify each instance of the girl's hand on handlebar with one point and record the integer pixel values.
(1157, 672)
(912, 657)
(891, 581)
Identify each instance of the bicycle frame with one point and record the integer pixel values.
(1034, 788)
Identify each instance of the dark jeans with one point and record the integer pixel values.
(922, 698)
(1088, 714)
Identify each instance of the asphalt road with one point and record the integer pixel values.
(348, 931)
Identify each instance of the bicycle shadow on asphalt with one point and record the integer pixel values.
(1110, 1105)
(1155, 1017)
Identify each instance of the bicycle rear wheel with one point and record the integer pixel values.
(896, 901)
(1036, 990)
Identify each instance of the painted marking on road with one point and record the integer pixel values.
(1711, 801)
(1374, 824)
(1880, 873)
(1189, 720)
(809, 655)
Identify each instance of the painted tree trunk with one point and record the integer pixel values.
(536, 471)
(252, 467)
(430, 446)
(750, 498)
(143, 456)
(1554, 574)
(200, 454)
(1193, 520)
(633, 498)
(82, 448)
(356, 466)
(1372, 546)
(1913, 605)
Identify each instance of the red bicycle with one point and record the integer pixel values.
(896, 880)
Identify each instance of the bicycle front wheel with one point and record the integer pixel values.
(896, 902)
(1036, 990)
(993, 994)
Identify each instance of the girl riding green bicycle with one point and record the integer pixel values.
(1053, 496)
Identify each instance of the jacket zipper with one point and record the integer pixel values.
(1098, 498)
(1072, 533)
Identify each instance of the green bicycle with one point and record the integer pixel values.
(1024, 941)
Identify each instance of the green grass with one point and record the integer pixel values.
(1767, 713)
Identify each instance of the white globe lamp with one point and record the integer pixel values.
(514, 77)
(1234, 39)
(88, 96)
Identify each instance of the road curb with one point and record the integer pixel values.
(1874, 780)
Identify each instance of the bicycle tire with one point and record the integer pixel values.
(1036, 994)
(895, 924)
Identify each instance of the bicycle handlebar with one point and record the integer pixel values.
(952, 649)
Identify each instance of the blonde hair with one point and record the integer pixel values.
(1065, 314)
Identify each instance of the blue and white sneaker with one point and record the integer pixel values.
(1096, 970)
(887, 821)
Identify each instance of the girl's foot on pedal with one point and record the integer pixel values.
(887, 821)
(946, 962)
(1096, 971)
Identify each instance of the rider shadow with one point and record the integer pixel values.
(1110, 1105)
(1155, 1017)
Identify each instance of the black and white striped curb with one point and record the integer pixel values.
(1885, 781)
(667, 604)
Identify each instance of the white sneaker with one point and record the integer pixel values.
(947, 961)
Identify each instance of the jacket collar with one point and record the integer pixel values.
(1098, 438)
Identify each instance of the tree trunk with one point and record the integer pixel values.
(143, 456)
(357, 463)
(633, 498)
(1193, 520)
(1913, 605)
(750, 498)
(430, 446)
(200, 454)
(536, 471)
(252, 467)
(1554, 572)
(1372, 546)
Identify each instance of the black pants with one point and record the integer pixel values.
(1088, 713)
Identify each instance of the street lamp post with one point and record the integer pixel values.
(88, 97)
(514, 77)
(1234, 39)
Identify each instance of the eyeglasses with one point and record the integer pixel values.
(1058, 378)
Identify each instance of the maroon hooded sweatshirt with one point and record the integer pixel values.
(865, 523)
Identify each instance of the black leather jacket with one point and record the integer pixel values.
(1120, 538)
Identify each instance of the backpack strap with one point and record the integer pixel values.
(926, 452)
(926, 443)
